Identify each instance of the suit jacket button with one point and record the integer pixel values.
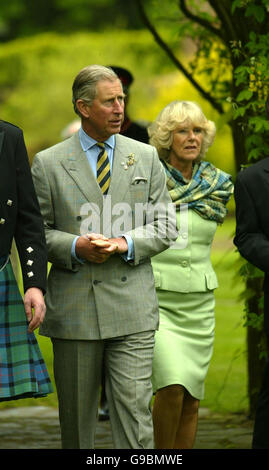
(124, 278)
(79, 217)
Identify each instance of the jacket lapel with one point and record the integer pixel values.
(77, 166)
(121, 177)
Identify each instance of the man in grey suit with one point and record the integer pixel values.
(106, 211)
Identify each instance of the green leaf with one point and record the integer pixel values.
(236, 4)
(257, 11)
(252, 36)
(260, 123)
(254, 154)
(239, 112)
(244, 95)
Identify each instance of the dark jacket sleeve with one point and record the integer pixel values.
(251, 238)
(29, 230)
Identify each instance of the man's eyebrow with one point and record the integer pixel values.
(112, 97)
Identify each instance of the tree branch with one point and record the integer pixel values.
(206, 24)
(226, 20)
(175, 60)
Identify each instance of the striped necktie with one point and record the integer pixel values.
(103, 169)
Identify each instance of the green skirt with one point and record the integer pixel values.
(184, 341)
(23, 372)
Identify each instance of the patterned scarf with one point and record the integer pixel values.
(207, 193)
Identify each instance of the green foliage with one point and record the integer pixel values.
(28, 17)
(252, 8)
(208, 59)
(36, 76)
(252, 76)
(253, 319)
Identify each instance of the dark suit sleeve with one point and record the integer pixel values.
(250, 239)
(29, 231)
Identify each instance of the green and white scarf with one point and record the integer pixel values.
(207, 193)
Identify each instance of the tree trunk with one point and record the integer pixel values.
(255, 340)
(240, 156)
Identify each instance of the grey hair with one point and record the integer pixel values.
(84, 86)
(170, 118)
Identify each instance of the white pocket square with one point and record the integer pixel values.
(139, 179)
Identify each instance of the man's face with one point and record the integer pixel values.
(104, 117)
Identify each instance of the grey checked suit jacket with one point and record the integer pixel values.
(97, 301)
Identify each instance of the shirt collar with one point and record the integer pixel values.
(88, 142)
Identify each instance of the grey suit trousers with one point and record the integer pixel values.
(128, 368)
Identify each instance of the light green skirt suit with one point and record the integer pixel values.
(185, 283)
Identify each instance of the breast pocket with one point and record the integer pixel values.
(139, 189)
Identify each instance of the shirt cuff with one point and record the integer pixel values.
(129, 255)
(73, 251)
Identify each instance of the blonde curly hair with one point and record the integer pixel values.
(174, 115)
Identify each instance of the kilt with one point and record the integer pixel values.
(23, 372)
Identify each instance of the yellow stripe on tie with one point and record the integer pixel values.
(103, 169)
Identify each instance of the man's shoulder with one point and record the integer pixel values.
(10, 128)
(254, 170)
(57, 150)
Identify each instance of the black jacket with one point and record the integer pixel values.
(251, 194)
(19, 209)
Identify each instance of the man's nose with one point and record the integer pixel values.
(118, 106)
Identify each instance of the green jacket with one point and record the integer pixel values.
(187, 268)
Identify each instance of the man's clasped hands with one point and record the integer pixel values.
(97, 248)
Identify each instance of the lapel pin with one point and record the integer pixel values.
(130, 161)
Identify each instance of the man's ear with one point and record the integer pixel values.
(83, 108)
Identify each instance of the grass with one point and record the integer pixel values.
(226, 383)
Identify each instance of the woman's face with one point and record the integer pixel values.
(186, 144)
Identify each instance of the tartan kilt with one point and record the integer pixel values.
(23, 372)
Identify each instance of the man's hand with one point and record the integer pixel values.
(121, 243)
(110, 245)
(94, 247)
(97, 249)
(34, 299)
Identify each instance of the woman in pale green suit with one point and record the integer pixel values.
(184, 277)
